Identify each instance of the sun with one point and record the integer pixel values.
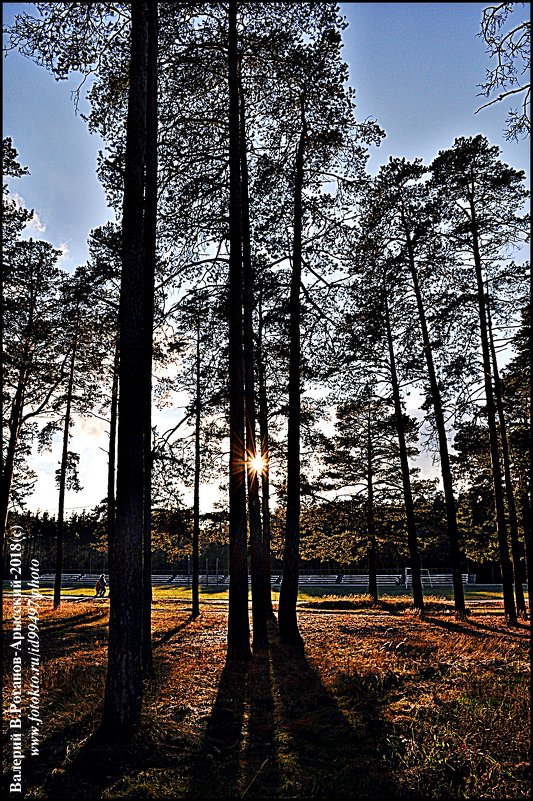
(258, 464)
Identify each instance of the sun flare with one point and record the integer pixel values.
(258, 464)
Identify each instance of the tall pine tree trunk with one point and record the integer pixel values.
(259, 613)
(265, 475)
(412, 539)
(447, 483)
(526, 525)
(509, 491)
(287, 618)
(371, 525)
(501, 528)
(123, 691)
(238, 623)
(63, 472)
(3, 515)
(111, 466)
(527, 529)
(196, 498)
(150, 235)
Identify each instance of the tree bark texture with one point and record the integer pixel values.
(15, 422)
(238, 622)
(527, 503)
(195, 611)
(123, 691)
(111, 466)
(259, 613)
(265, 476)
(371, 525)
(150, 237)
(287, 618)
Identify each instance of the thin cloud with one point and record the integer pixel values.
(65, 252)
(34, 224)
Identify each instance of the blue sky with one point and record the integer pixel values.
(415, 68)
(39, 115)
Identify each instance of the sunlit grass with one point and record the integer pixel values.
(220, 593)
(437, 707)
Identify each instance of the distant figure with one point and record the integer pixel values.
(101, 586)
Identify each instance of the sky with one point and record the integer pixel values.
(415, 67)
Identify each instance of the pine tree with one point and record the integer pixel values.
(404, 202)
(123, 692)
(238, 625)
(481, 198)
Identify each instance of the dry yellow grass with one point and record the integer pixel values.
(384, 704)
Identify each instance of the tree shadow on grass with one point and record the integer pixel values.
(57, 625)
(78, 762)
(75, 762)
(58, 642)
(275, 731)
(478, 630)
(215, 772)
(238, 754)
(88, 765)
(58, 637)
(322, 752)
(260, 766)
(170, 633)
(52, 752)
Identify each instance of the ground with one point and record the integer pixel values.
(384, 704)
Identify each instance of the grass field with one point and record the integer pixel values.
(472, 592)
(384, 704)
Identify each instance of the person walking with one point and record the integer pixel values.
(101, 586)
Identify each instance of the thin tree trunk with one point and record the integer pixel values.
(111, 466)
(503, 546)
(412, 539)
(238, 622)
(526, 524)
(150, 235)
(15, 417)
(147, 658)
(372, 571)
(259, 614)
(511, 504)
(447, 483)
(265, 476)
(123, 691)
(3, 514)
(197, 466)
(287, 618)
(527, 531)
(63, 472)
(15, 420)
